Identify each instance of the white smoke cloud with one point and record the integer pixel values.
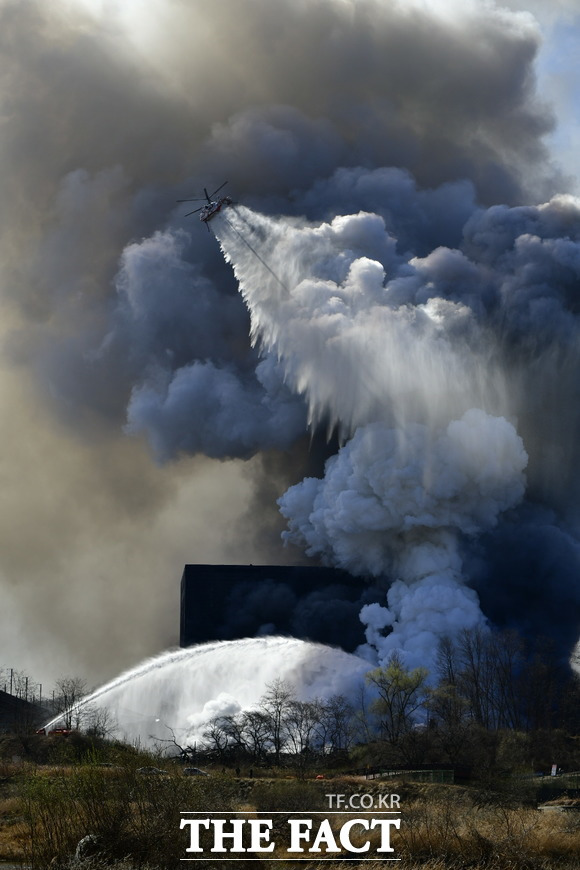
(393, 502)
(431, 602)
(391, 485)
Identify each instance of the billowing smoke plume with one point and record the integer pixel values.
(391, 501)
(419, 360)
(386, 133)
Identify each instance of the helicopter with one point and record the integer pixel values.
(211, 207)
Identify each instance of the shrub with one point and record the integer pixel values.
(128, 814)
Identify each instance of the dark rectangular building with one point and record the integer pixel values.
(224, 602)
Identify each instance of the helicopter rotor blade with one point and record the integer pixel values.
(194, 199)
(194, 211)
(218, 189)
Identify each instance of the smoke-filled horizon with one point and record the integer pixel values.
(141, 429)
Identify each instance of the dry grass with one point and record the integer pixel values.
(13, 831)
(434, 864)
(469, 835)
(442, 827)
(446, 864)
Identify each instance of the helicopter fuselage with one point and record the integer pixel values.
(213, 207)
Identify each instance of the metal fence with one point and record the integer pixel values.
(447, 776)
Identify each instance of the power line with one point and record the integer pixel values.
(253, 250)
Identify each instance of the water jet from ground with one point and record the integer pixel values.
(179, 691)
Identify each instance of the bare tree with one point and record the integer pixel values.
(507, 659)
(99, 721)
(186, 752)
(275, 704)
(215, 737)
(301, 722)
(255, 730)
(338, 716)
(477, 678)
(19, 684)
(69, 692)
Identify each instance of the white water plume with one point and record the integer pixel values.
(324, 300)
(180, 691)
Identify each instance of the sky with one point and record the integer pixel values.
(558, 74)
(139, 429)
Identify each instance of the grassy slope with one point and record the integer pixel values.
(442, 826)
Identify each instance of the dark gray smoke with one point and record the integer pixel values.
(123, 325)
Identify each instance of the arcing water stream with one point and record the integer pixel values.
(180, 691)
